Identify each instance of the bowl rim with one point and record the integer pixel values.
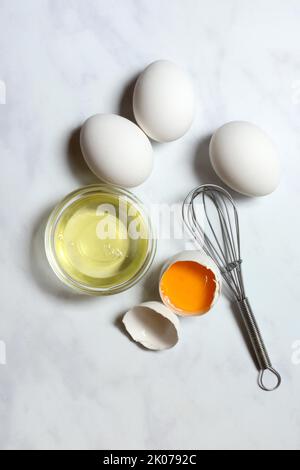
(56, 215)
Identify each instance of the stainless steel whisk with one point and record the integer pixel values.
(223, 246)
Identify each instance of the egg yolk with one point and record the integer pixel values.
(188, 287)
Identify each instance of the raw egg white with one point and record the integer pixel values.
(163, 101)
(245, 158)
(116, 150)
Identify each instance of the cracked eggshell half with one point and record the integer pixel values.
(153, 325)
(190, 283)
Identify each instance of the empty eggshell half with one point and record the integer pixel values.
(153, 325)
(190, 283)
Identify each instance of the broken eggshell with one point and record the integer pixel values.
(212, 296)
(153, 325)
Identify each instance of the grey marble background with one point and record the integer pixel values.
(72, 379)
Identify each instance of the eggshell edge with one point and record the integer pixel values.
(160, 309)
(203, 259)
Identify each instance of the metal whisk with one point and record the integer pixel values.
(219, 237)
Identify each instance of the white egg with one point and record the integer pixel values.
(153, 325)
(163, 101)
(245, 158)
(116, 150)
(211, 284)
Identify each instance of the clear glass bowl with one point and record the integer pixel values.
(99, 240)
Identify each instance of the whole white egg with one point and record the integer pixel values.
(245, 158)
(163, 101)
(116, 150)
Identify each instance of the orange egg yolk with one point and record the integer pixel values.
(188, 287)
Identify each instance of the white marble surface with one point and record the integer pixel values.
(72, 378)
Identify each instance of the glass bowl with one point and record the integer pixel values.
(99, 240)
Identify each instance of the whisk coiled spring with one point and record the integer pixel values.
(219, 237)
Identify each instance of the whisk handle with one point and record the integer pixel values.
(258, 345)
